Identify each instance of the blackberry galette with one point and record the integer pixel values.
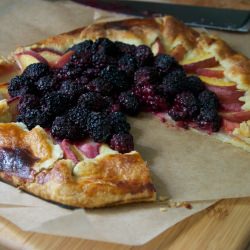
(64, 131)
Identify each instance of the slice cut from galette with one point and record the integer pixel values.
(64, 133)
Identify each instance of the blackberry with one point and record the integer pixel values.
(20, 85)
(99, 127)
(149, 98)
(101, 60)
(115, 107)
(28, 102)
(55, 103)
(71, 89)
(209, 119)
(33, 117)
(83, 80)
(194, 84)
(108, 102)
(29, 118)
(119, 123)
(92, 101)
(105, 46)
(146, 75)
(91, 73)
(78, 116)
(129, 103)
(69, 71)
(122, 143)
(185, 107)
(116, 78)
(36, 70)
(164, 62)
(127, 64)
(100, 85)
(81, 60)
(208, 100)
(126, 48)
(63, 128)
(46, 84)
(173, 83)
(83, 47)
(143, 55)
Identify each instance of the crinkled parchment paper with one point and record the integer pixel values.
(185, 165)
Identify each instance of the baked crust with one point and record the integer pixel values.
(108, 179)
(114, 178)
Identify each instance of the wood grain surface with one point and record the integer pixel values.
(225, 225)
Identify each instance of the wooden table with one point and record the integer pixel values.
(226, 225)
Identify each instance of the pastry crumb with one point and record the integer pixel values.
(162, 198)
(163, 209)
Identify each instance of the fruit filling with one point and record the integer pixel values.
(90, 89)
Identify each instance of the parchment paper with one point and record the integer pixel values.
(185, 165)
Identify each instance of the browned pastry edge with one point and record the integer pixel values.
(104, 188)
(108, 179)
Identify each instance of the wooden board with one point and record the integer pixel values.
(225, 225)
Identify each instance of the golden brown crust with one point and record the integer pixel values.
(105, 180)
(113, 179)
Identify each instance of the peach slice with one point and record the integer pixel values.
(210, 73)
(50, 56)
(67, 151)
(227, 94)
(216, 81)
(63, 59)
(229, 126)
(4, 91)
(231, 107)
(45, 49)
(237, 116)
(24, 59)
(89, 149)
(207, 63)
(158, 47)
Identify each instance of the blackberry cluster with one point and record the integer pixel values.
(116, 78)
(144, 55)
(36, 70)
(20, 85)
(100, 83)
(185, 106)
(92, 101)
(119, 123)
(82, 48)
(122, 142)
(46, 84)
(163, 63)
(129, 103)
(99, 127)
(146, 75)
(27, 102)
